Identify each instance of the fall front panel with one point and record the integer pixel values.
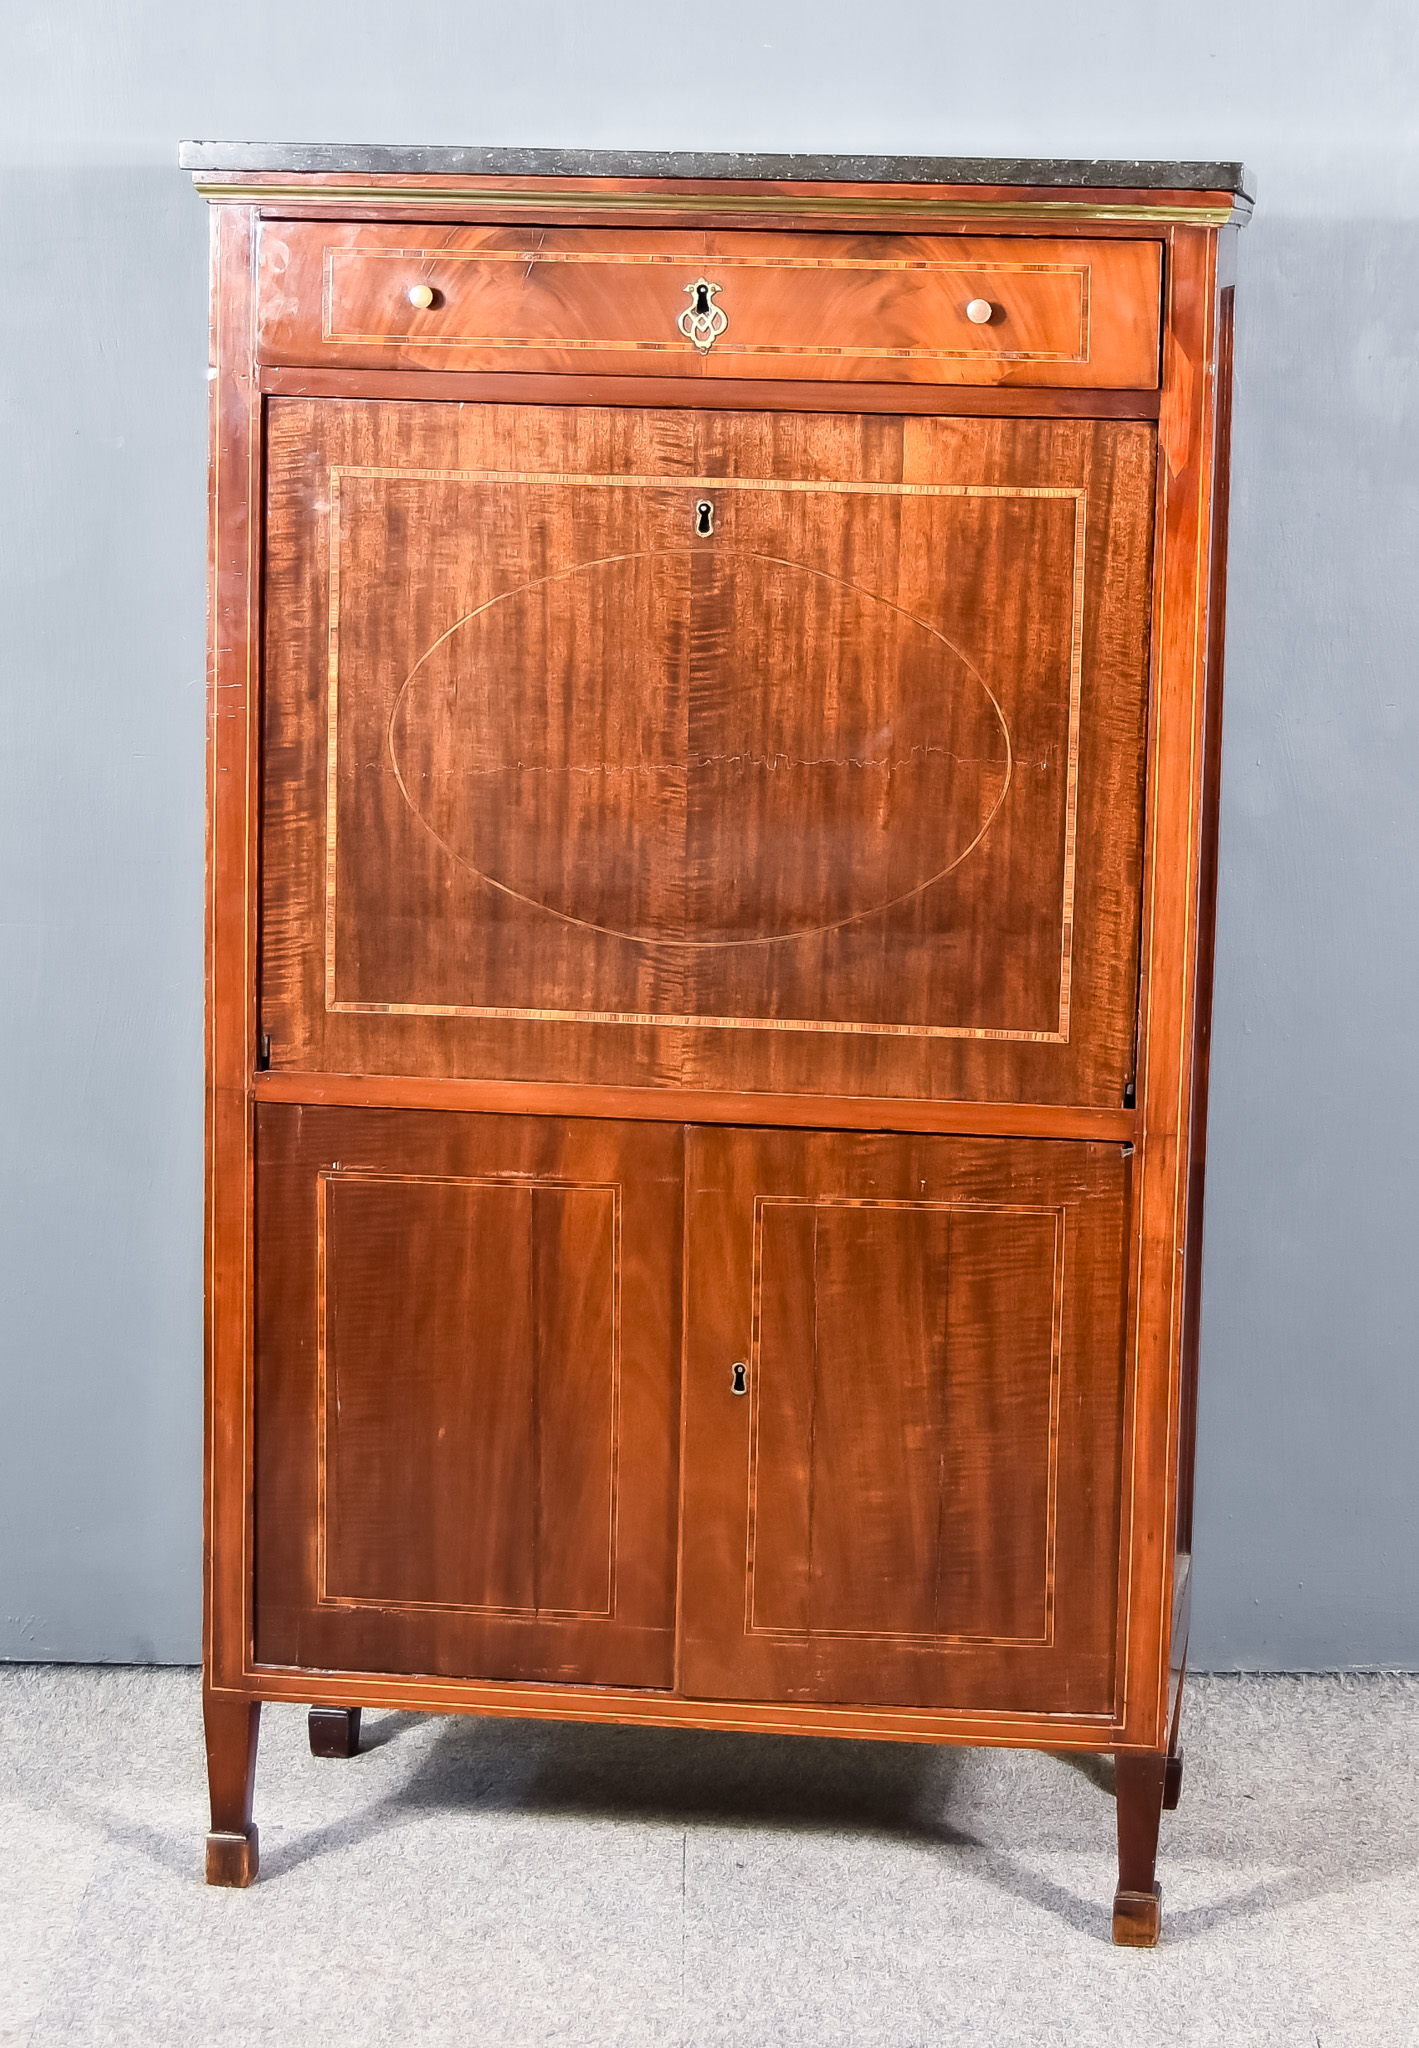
(904, 1411)
(719, 750)
(467, 1363)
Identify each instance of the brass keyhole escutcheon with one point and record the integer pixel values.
(704, 516)
(702, 321)
(739, 1377)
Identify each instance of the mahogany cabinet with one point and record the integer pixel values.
(714, 742)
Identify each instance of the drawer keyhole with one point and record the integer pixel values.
(739, 1377)
(704, 516)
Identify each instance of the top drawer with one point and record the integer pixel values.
(919, 309)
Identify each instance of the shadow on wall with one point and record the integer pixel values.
(1307, 1519)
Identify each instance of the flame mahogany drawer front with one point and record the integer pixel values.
(918, 309)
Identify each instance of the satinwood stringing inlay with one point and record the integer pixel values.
(588, 741)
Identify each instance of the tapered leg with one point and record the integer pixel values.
(334, 1731)
(233, 1723)
(1140, 1775)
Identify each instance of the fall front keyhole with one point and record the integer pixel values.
(704, 516)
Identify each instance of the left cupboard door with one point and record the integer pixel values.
(467, 1368)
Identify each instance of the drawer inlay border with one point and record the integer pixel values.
(678, 260)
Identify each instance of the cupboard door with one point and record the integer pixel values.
(466, 1406)
(723, 750)
(915, 1500)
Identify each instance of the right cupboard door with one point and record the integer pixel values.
(904, 1405)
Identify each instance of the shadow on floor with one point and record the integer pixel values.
(905, 1791)
(678, 1779)
(1303, 1792)
(378, 1729)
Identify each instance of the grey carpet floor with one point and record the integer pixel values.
(499, 1882)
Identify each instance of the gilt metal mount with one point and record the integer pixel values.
(702, 321)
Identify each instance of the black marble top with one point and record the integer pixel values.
(394, 159)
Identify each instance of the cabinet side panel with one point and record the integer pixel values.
(1206, 917)
(1167, 1014)
(230, 1009)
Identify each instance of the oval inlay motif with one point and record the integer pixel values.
(698, 747)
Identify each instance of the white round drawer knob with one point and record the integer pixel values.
(979, 310)
(422, 296)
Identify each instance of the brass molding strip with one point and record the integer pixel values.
(417, 199)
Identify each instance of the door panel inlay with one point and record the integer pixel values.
(885, 1427)
(468, 1393)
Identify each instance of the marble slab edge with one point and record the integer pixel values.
(407, 160)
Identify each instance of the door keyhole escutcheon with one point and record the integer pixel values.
(704, 517)
(739, 1377)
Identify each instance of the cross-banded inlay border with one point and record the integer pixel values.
(430, 337)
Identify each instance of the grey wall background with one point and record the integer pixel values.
(1308, 1543)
